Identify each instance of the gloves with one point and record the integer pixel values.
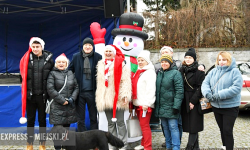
(97, 33)
(209, 97)
(175, 111)
(71, 102)
(216, 97)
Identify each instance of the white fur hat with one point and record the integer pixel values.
(38, 40)
(166, 48)
(109, 47)
(145, 55)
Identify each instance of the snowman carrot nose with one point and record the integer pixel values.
(126, 43)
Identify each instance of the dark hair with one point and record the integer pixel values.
(36, 42)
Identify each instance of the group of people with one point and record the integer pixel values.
(172, 88)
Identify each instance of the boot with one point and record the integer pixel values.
(189, 147)
(29, 146)
(42, 146)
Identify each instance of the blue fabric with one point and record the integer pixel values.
(228, 88)
(171, 131)
(62, 33)
(11, 110)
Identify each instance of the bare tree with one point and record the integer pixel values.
(207, 23)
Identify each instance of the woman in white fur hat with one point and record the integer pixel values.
(113, 91)
(143, 95)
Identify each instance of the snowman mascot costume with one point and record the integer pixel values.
(129, 39)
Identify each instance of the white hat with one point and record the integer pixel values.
(166, 48)
(38, 40)
(109, 47)
(145, 55)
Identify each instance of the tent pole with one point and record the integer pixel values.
(80, 35)
(128, 5)
(6, 49)
(114, 21)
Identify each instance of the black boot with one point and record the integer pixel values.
(189, 147)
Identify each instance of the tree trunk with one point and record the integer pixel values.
(157, 25)
(246, 8)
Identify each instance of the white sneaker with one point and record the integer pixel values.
(139, 147)
(223, 147)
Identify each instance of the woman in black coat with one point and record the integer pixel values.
(62, 109)
(192, 120)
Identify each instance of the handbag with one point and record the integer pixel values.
(49, 102)
(205, 105)
(133, 126)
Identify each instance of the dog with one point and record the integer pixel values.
(86, 140)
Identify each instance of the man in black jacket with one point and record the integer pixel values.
(35, 67)
(83, 64)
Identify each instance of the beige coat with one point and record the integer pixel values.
(105, 95)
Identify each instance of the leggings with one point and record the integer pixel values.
(226, 124)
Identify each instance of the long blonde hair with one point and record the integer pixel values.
(225, 55)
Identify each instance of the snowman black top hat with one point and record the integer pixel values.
(130, 24)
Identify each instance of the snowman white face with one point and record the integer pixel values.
(129, 45)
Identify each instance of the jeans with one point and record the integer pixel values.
(179, 126)
(172, 134)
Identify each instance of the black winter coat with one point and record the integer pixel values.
(59, 113)
(39, 68)
(192, 120)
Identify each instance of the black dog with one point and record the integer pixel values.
(86, 140)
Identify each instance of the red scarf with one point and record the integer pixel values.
(107, 62)
(135, 79)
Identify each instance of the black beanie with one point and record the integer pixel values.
(191, 52)
(88, 40)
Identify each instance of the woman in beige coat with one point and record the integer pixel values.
(113, 91)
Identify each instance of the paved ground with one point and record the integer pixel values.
(209, 138)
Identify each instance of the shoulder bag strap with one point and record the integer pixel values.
(218, 81)
(187, 82)
(64, 84)
(61, 88)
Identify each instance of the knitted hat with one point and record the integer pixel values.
(119, 58)
(166, 57)
(33, 39)
(109, 47)
(62, 57)
(88, 40)
(191, 52)
(145, 55)
(166, 48)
